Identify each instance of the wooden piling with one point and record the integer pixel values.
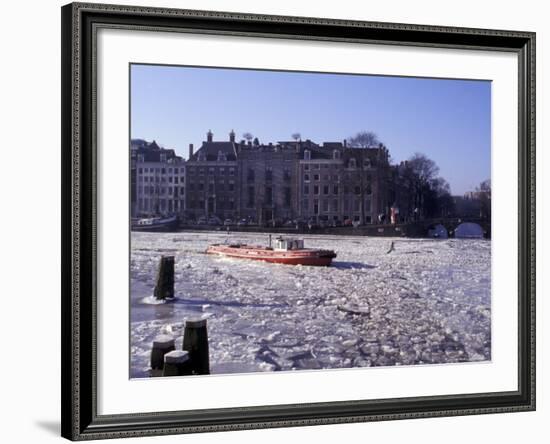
(177, 363)
(164, 289)
(161, 345)
(195, 341)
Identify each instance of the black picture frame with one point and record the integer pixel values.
(79, 172)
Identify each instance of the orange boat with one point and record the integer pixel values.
(286, 251)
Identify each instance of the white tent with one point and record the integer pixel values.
(469, 230)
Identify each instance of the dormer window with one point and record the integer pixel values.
(221, 156)
(307, 155)
(163, 157)
(366, 162)
(352, 163)
(141, 158)
(202, 156)
(336, 154)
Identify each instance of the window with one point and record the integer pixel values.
(368, 205)
(169, 170)
(231, 185)
(316, 189)
(306, 167)
(211, 188)
(306, 177)
(287, 196)
(315, 177)
(325, 205)
(250, 201)
(307, 155)
(163, 170)
(357, 189)
(306, 189)
(176, 179)
(316, 166)
(356, 204)
(335, 189)
(170, 179)
(315, 207)
(286, 175)
(269, 174)
(250, 175)
(325, 189)
(268, 195)
(176, 170)
(201, 186)
(231, 171)
(369, 190)
(140, 170)
(352, 163)
(335, 205)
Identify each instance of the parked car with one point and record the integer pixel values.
(348, 223)
(201, 220)
(227, 222)
(214, 220)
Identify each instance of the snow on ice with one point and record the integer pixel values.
(424, 302)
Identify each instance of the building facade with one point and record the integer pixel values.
(157, 180)
(287, 181)
(212, 180)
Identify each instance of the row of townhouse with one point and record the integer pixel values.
(264, 183)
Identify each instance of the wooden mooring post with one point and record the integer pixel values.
(164, 288)
(161, 345)
(177, 363)
(195, 341)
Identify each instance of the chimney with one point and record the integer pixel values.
(190, 150)
(232, 136)
(345, 143)
(209, 136)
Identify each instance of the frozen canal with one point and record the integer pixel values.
(427, 301)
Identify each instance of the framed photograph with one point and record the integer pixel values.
(278, 221)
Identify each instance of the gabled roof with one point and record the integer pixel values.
(212, 149)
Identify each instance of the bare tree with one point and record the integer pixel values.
(484, 196)
(296, 136)
(364, 139)
(248, 136)
(422, 173)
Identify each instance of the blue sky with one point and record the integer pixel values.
(448, 120)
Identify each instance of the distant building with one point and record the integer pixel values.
(212, 179)
(338, 183)
(287, 180)
(157, 180)
(265, 183)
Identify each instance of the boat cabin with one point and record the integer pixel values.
(285, 244)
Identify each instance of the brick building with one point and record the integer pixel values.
(212, 179)
(266, 183)
(338, 183)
